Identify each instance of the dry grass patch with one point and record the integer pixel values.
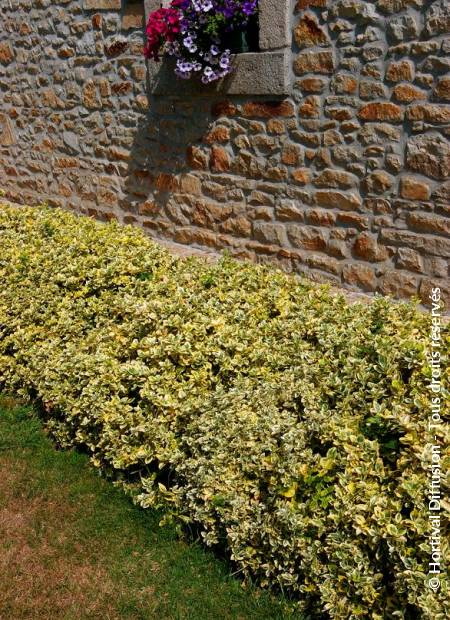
(38, 579)
(73, 548)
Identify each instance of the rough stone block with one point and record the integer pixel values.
(219, 159)
(335, 178)
(442, 90)
(400, 284)
(268, 109)
(314, 62)
(410, 260)
(133, 16)
(366, 247)
(7, 137)
(405, 93)
(307, 237)
(274, 24)
(113, 5)
(402, 71)
(6, 52)
(360, 275)
(378, 182)
(270, 233)
(429, 223)
(437, 18)
(426, 291)
(341, 200)
(429, 154)
(429, 112)
(308, 33)
(381, 111)
(413, 189)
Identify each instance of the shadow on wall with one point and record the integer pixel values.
(189, 150)
(166, 148)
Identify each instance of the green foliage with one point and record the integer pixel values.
(287, 425)
(215, 25)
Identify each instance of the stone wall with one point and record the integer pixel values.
(344, 180)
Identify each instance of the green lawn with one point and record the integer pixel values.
(73, 547)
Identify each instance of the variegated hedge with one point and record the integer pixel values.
(287, 425)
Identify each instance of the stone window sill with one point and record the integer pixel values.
(267, 72)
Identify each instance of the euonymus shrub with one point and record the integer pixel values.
(287, 425)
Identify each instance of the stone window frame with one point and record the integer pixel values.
(267, 72)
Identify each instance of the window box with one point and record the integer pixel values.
(263, 72)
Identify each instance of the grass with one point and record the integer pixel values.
(74, 547)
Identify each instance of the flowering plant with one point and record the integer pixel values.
(195, 33)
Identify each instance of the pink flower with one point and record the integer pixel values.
(163, 25)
